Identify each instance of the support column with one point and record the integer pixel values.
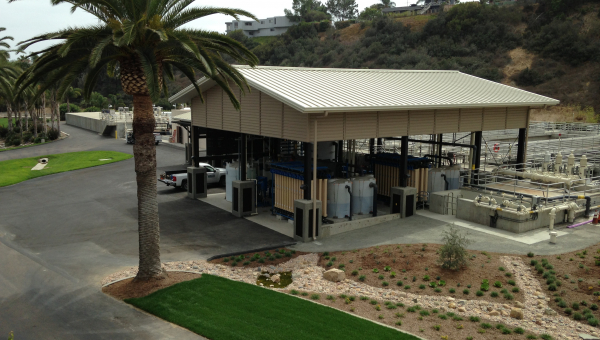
(308, 148)
(340, 155)
(439, 160)
(243, 157)
(195, 146)
(477, 156)
(403, 162)
(371, 146)
(521, 148)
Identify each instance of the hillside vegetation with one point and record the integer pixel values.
(551, 47)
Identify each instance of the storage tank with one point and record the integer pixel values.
(362, 195)
(233, 174)
(338, 198)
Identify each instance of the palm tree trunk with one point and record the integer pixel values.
(34, 116)
(44, 115)
(58, 117)
(20, 120)
(144, 153)
(9, 116)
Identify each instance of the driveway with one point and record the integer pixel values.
(61, 234)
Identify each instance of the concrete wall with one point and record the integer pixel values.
(91, 121)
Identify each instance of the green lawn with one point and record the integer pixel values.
(4, 122)
(218, 309)
(19, 170)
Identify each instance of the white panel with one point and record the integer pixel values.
(393, 123)
(494, 119)
(361, 125)
(271, 116)
(470, 120)
(198, 112)
(516, 117)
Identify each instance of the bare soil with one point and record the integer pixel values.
(579, 278)
(520, 60)
(417, 266)
(128, 289)
(250, 262)
(415, 323)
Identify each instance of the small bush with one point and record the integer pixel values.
(380, 277)
(485, 325)
(411, 309)
(562, 304)
(515, 289)
(474, 319)
(533, 262)
(511, 282)
(508, 274)
(498, 284)
(355, 272)
(466, 291)
(407, 287)
(443, 316)
(294, 292)
(531, 337)
(593, 322)
(501, 269)
(546, 336)
(519, 330)
(385, 283)
(530, 254)
(362, 278)
(506, 331)
(304, 294)
(373, 302)
(552, 287)
(329, 264)
(421, 286)
(575, 306)
(453, 253)
(494, 294)
(399, 283)
(438, 290)
(452, 290)
(577, 316)
(594, 307)
(568, 311)
(424, 313)
(508, 296)
(398, 323)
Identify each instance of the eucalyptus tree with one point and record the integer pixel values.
(143, 40)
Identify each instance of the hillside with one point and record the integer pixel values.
(550, 47)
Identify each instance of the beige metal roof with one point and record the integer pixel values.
(347, 90)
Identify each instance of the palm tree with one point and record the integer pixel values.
(4, 56)
(71, 92)
(144, 41)
(388, 3)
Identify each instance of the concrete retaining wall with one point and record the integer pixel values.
(328, 230)
(91, 121)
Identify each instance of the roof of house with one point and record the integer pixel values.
(350, 90)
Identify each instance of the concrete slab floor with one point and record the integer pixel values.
(423, 229)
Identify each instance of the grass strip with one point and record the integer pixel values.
(219, 309)
(19, 170)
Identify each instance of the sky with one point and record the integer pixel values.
(24, 19)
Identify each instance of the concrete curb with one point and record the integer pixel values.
(250, 251)
(129, 277)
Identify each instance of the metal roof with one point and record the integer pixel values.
(350, 90)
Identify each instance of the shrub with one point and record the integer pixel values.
(594, 307)
(362, 278)
(329, 264)
(575, 306)
(355, 272)
(63, 109)
(452, 290)
(385, 283)
(485, 285)
(399, 283)
(485, 325)
(342, 24)
(443, 316)
(552, 287)
(568, 311)
(512, 282)
(92, 109)
(453, 253)
(506, 331)
(411, 309)
(562, 304)
(501, 269)
(479, 293)
(577, 316)
(494, 294)
(424, 313)
(546, 336)
(474, 319)
(52, 134)
(519, 330)
(498, 284)
(466, 292)
(407, 287)
(515, 290)
(508, 296)
(531, 337)
(421, 286)
(508, 274)
(533, 262)
(530, 254)
(380, 277)
(294, 292)
(593, 322)
(330, 297)
(438, 290)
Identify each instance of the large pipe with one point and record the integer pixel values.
(374, 186)
(350, 192)
(445, 181)
(441, 157)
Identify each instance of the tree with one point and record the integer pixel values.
(71, 92)
(370, 13)
(4, 55)
(144, 41)
(307, 11)
(388, 3)
(342, 9)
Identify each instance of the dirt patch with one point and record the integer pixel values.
(520, 60)
(128, 289)
(272, 257)
(576, 280)
(350, 34)
(429, 326)
(414, 269)
(563, 113)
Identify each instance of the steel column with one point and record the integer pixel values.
(195, 146)
(403, 161)
(521, 148)
(308, 152)
(477, 162)
(243, 157)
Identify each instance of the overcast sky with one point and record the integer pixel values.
(24, 19)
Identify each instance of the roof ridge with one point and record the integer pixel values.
(332, 69)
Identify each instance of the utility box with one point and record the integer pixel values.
(196, 182)
(244, 198)
(188, 154)
(403, 201)
(303, 220)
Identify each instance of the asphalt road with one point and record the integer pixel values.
(61, 234)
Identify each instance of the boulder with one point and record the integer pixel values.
(452, 305)
(549, 311)
(516, 313)
(402, 294)
(461, 309)
(276, 278)
(334, 275)
(518, 304)
(494, 313)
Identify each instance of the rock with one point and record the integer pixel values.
(462, 309)
(505, 313)
(587, 337)
(461, 302)
(306, 271)
(538, 322)
(494, 313)
(452, 305)
(195, 267)
(276, 278)
(490, 308)
(415, 300)
(549, 311)
(450, 298)
(516, 313)
(506, 306)
(402, 294)
(334, 275)
(518, 304)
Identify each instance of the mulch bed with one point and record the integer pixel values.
(419, 325)
(579, 275)
(128, 289)
(272, 257)
(417, 265)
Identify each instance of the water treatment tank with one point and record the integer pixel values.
(338, 198)
(362, 195)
